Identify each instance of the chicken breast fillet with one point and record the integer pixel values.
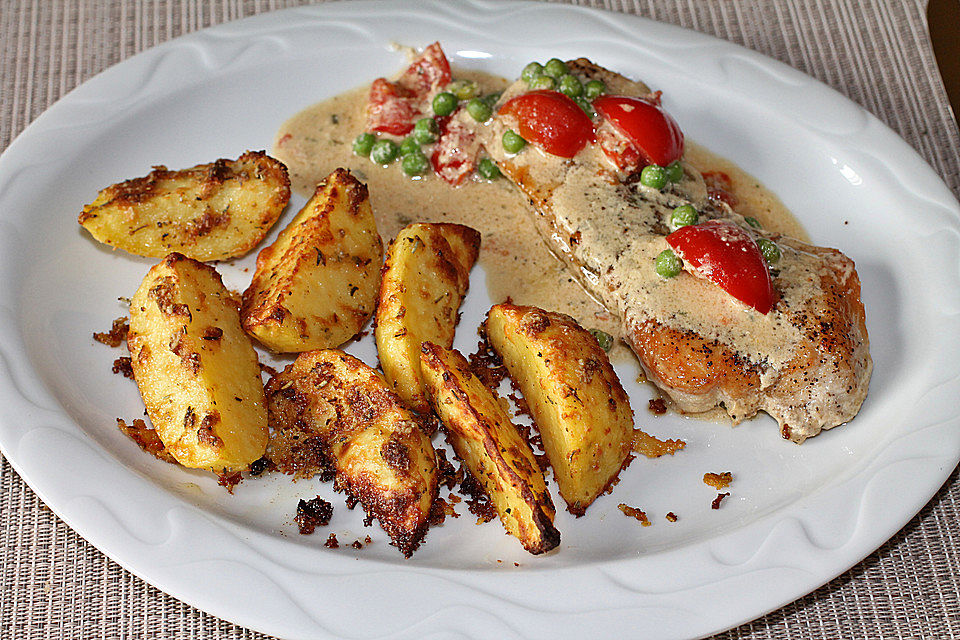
(806, 362)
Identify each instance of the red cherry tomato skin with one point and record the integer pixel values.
(727, 256)
(552, 121)
(651, 129)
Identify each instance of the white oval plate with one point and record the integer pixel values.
(798, 516)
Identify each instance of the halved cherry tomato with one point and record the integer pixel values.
(655, 134)
(727, 256)
(552, 121)
(394, 107)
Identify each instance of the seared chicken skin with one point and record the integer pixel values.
(806, 362)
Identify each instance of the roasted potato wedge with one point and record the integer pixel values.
(332, 413)
(196, 369)
(426, 276)
(577, 401)
(212, 211)
(316, 286)
(485, 439)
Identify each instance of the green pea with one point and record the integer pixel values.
(668, 264)
(488, 169)
(444, 103)
(531, 71)
(585, 106)
(512, 142)
(408, 146)
(555, 68)
(604, 338)
(426, 130)
(363, 143)
(593, 89)
(542, 82)
(415, 163)
(464, 89)
(770, 251)
(384, 151)
(753, 222)
(674, 171)
(684, 216)
(479, 110)
(653, 176)
(491, 98)
(569, 85)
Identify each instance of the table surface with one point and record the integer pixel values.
(53, 584)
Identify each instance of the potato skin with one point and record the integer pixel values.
(332, 413)
(316, 286)
(575, 397)
(425, 278)
(212, 211)
(196, 369)
(489, 444)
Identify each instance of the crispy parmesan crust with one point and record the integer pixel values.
(489, 444)
(425, 277)
(316, 286)
(334, 415)
(580, 409)
(211, 211)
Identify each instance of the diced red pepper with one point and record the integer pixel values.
(726, 255)
(455, 154)
(394, 107)
(720, 187)
(430, 71)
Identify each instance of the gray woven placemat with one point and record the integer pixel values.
(53, 584)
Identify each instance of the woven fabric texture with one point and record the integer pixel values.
(53, 584)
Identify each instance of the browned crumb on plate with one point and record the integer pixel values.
(359, 544)
(229, 479)
(718, 480)
(487, 365)
(261, 465)
(716, 501)
(447, 475)
(441, 509)
(313, 513)
(671, 516)
(653, 447)
(478, 502)
(332, 542)
(146, 438)
(117, 334)
(633, 512)
(123, 365)
(657, 406)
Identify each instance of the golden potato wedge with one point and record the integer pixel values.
(485, 439)
(212, 211)
(196, 369)
(316, 286)
(577, 401)
(426, 276)
(332, 413)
